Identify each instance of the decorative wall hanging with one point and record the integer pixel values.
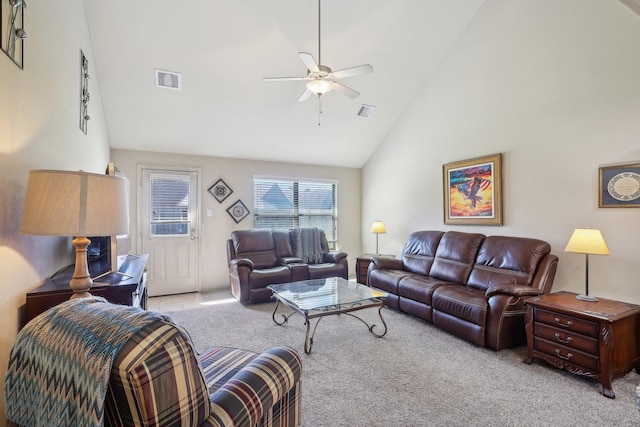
(473, 191)
(619, 186)
(84, 92)
(238, 211)
(220, 190)
(12, 33)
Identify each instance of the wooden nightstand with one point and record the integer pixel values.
(362, 266)
(595, 339)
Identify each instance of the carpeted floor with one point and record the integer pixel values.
(416, 375)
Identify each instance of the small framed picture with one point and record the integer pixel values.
(619, 186)
(238, 211)
(220, 190)
(473, 191)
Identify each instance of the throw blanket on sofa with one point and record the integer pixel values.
(60, 364)
(308, 245)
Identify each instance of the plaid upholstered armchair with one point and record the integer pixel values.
(122, 366)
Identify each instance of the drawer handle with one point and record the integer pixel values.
(567, 341)
(567, 357)
(564, 325)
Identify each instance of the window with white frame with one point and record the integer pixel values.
(280, 203)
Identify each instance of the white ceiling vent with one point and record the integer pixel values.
(365, 111)
(168, 80)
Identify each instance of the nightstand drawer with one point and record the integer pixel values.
(567, 338)
(568, 354)
(566, 322)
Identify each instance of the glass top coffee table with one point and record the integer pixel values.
(318, 298)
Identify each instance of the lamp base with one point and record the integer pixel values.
(81, 280)
(586, 298)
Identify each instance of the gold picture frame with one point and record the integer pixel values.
(619, 186)
(472, 191)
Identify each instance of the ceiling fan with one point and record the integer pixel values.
(320, 78)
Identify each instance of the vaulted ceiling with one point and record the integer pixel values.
(223, 50)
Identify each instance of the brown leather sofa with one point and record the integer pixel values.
(259, 257)
(467, 284)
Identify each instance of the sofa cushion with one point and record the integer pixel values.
(455, 256)
(282, 242)
(269, 276)
(256, 245)
(511, 260)
(419, 251)
(461, 302)
(324, 271)
(419, 288)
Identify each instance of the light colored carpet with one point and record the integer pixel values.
(416, 375)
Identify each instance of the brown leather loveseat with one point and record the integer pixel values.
(260, 257)
(467, 284)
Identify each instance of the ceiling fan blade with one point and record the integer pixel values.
(340, 88)
(282, 79)
(305, 95)
(353, 71)
(309, 62)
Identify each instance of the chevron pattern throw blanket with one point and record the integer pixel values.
(60, 364)
(308, 246)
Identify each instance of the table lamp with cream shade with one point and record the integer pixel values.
(587, 241)
(78, 204)
(377, 228)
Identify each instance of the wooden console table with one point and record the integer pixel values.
(127, 287)
(595, 339)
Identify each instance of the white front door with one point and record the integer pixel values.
(169, 224)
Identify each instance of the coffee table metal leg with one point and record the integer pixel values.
(372, 326)
(285, 318)
(308, 340)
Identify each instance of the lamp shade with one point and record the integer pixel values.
(587, 241)
(378, 227)
(69, 203)
(319, 86)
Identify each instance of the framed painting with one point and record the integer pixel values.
(220, 190)
(473, 191)
(12, 32)
(238, 211)
(619, 186)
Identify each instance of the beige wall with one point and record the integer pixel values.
(555, 87)
(39, 129)
(238, 174)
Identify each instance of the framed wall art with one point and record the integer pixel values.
(472, 191)
(238, 211)
(619, 186)
(220, 190)
(12, 32)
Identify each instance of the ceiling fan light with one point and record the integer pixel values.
(319, 86)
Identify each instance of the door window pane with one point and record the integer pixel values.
(170, 205)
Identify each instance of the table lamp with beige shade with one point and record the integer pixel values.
(78, 204)
(587, 241)
(377, 228)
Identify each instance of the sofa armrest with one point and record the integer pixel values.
(239, 262)
(334, 256)
(387, 263)
(513, 290)
(289, 260)
(258, 386)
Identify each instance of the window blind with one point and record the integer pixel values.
(284, 204)
(170, 204)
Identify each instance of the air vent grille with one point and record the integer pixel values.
(168, 80)
(365, 111)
